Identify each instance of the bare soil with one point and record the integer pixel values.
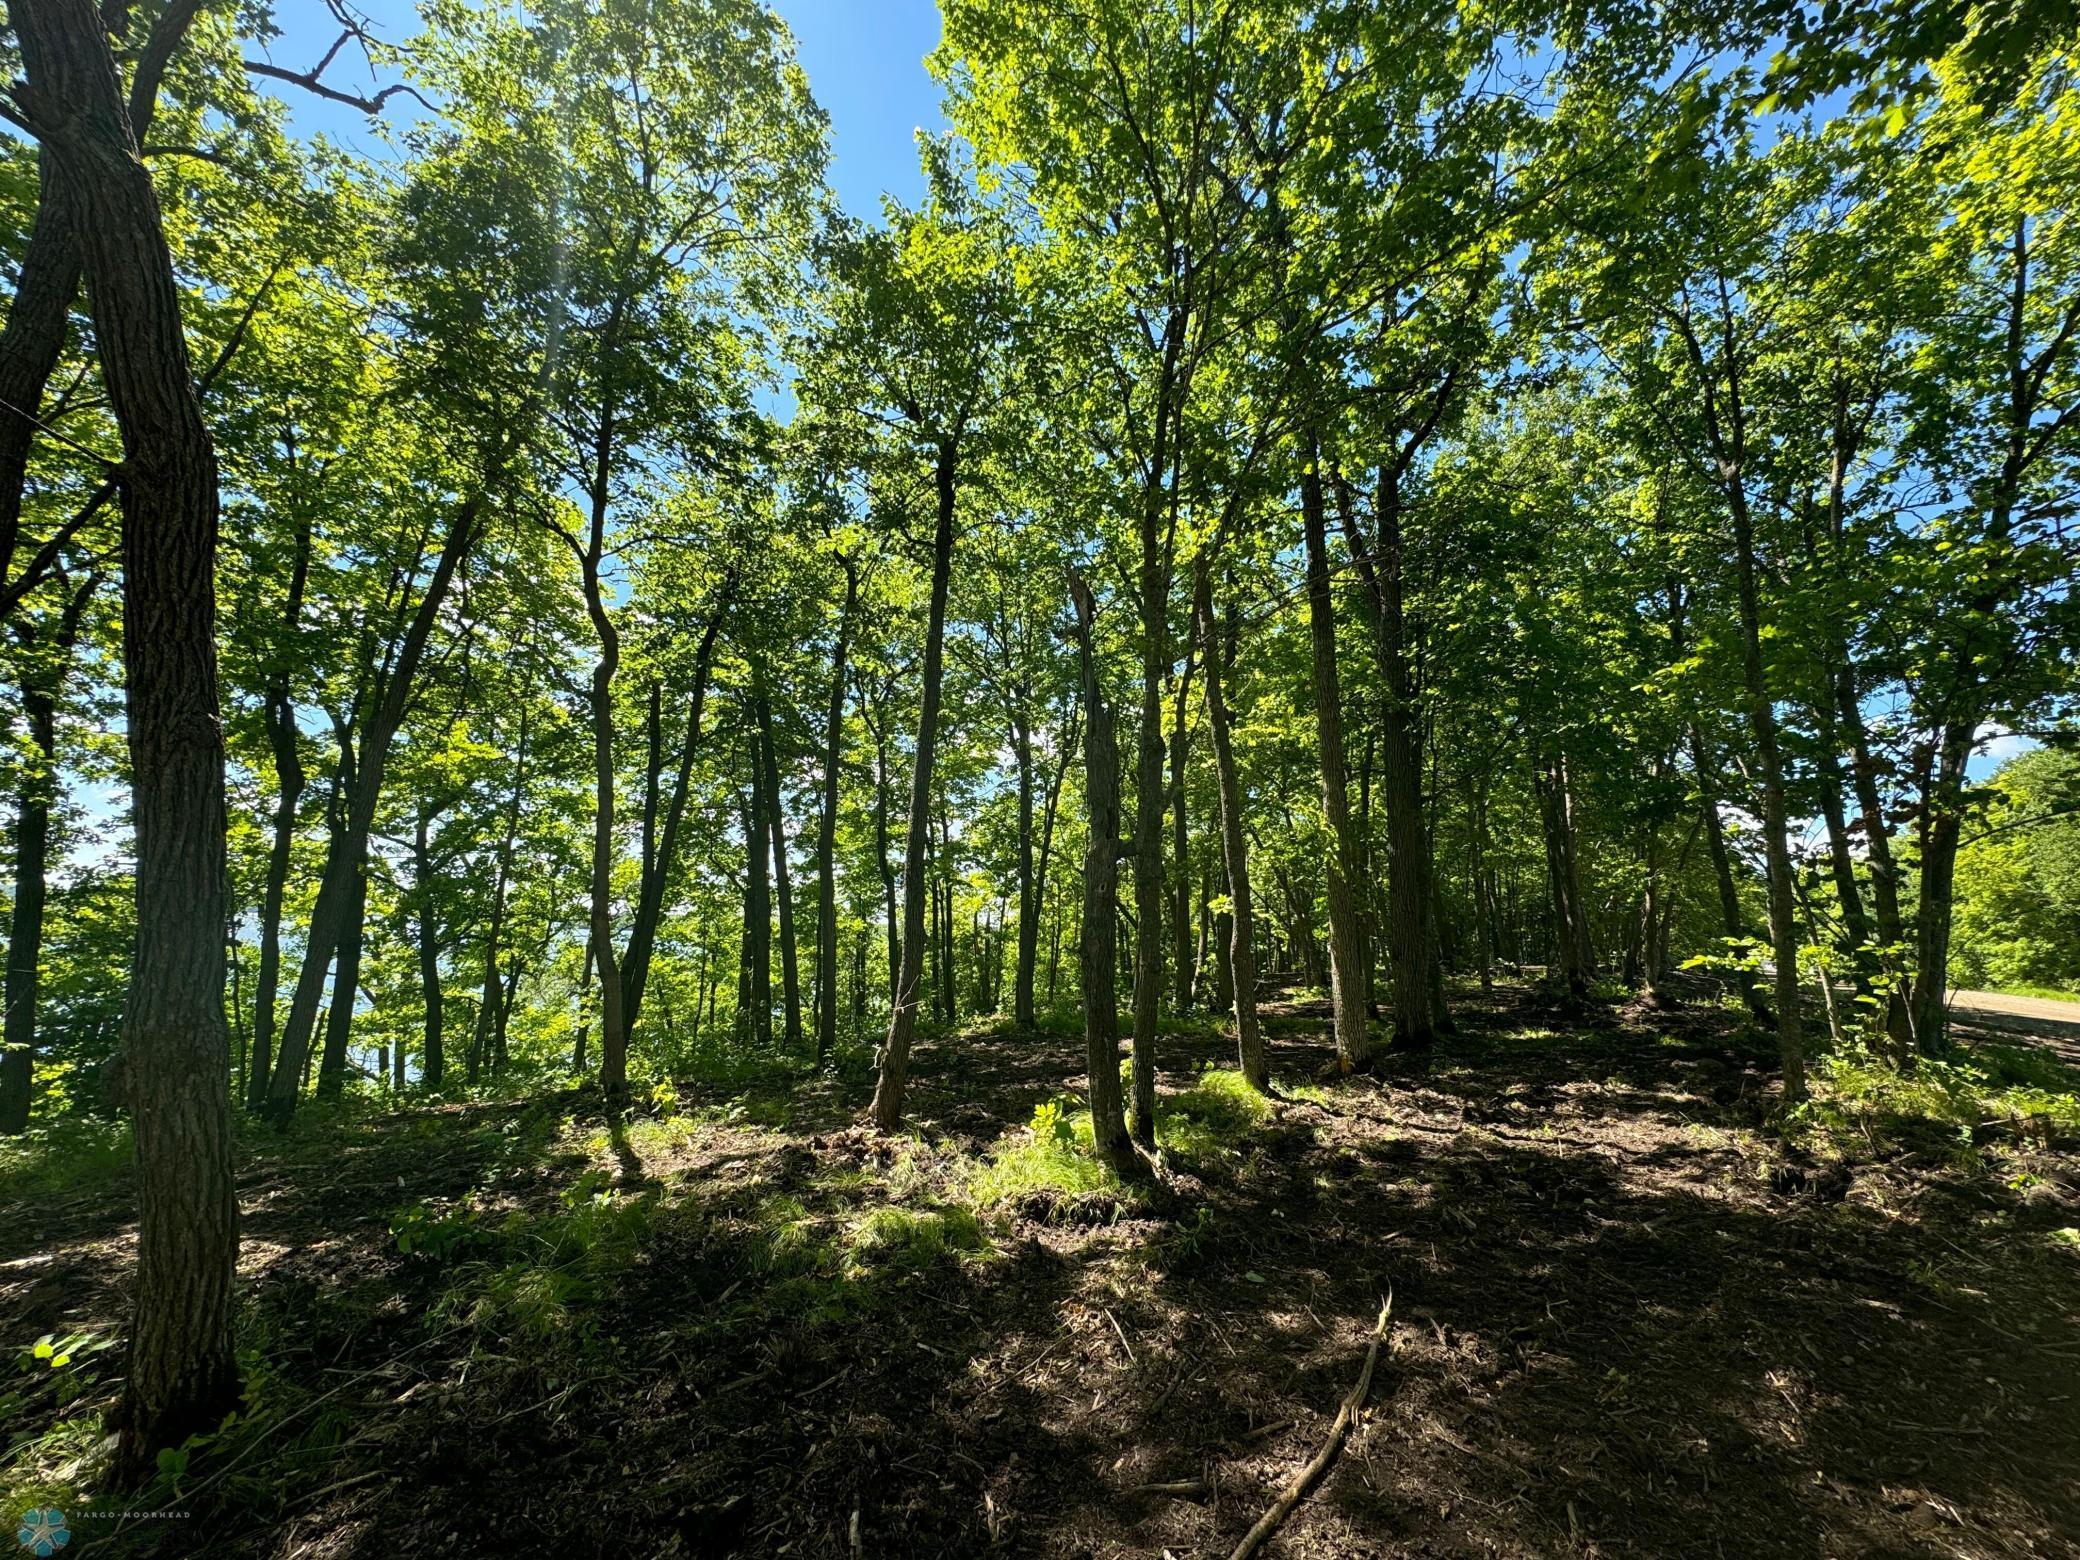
(1625, 1321)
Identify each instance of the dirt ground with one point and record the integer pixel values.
(1624, 1322)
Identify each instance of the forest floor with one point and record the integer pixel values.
(1632, 1314)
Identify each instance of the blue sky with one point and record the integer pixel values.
(865, 60)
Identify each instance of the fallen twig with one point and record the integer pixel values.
(1304, 1480)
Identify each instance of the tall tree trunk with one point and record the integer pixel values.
(1411, 937)
(658, 863)
(434, 1071)
(491, 1008)
(1942, 823)
(1346, 937)
(48, 659)
(894, 1068)
(181, 1374)
(827, 834)
(1877, 840)
(1185, 965)
(1572, 942)
(347, 853)
(1022, 1013)
(783, 882)
(1776, 821)
(949, 988)
(1098, 956)
(290, 781)
(1241, 962)
(758, 905)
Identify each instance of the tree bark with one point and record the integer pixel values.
(47, 661)
(783, 882)
(758, 906)
(659, 862)
(1346, 936)
(894, 1068)
(290, 781)
(433, 1072)
(1241, 959)
(1098, 955)
(827, 833)
(181, 1374)
(347, 854)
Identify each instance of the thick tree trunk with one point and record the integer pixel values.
(346, 991)
(894, 1069)
(1098, 955)
(181, 1375)
(1346, 936)
(827, 834)
(1240, 965)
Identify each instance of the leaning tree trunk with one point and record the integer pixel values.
(902, 1023)
(1241, 962)
(181, 1375)
(1346, 935)
(290, 780)
(1098, 955)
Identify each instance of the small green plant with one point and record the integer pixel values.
(1050, 1124)
(421, 1229)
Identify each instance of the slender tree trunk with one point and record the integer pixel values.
(491, 1008)
(783, 882)
(1411, 938)
(48, 659)
(290, 780)
(658, 863)
(1185, 967)
(758, 905)
(1022, 1013)
(1241, 961)
(1942, 824)
(347, 855)
(1762, 722)
(902, 1024)
(1098, 956)
(434, 1072)
(1346, 938)
(827, 835)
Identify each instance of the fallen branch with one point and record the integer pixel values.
(1305, 1479)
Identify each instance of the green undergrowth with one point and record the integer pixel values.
(1865, 1102)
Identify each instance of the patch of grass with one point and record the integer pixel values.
(1210, 1117)
(1054, 1157)
(902, 1237)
